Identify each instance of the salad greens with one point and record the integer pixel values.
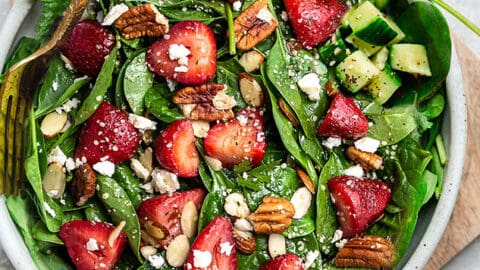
(408, 127)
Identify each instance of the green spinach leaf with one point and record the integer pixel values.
(158, 100)
(136, 82)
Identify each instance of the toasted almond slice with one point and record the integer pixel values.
(154, 231)
(276, 245)
(189, 219)
(305, 179)
(288, 113)
(148, 251)
(243, 224)
(236, 205)
(177, 250)
(301, 200)
(215, 163)
(200, 128)
(54, 180)
(146, 158)
(53, 123)
(115, 233)
(250, 89)
(251, 60)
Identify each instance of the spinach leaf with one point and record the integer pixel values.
(434, 107)
(103, 82)
(158, 102)
(130, 184)
(41, 233)
(96, 211)
(424, 24)
(227, 73)
(431, 181)
(56, 81)
(326, 220)
(136, 82)
(257, 258)
(51, 11)
(120, 209)
(190, 13)
(304, 246)
(302, 227)
(313, 148)
(25, 47)
(403, 168)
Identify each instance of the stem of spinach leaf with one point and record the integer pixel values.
(232, 49)
(457, 15)
(442, 153)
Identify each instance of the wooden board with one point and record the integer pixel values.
(464, 225)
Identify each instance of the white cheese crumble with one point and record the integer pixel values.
(92, 244)
(141, 123)
(284, 16)
(106, 168)
(226, 248)
(200, 128)
(222, 101)
(49, 209)
(156, 261)
(180, 53)
(171, 85)
(237, 5)
(114, 13)
(57, 155)
(337, 235)
(367, 144)
(201, 259)
(310, 259)
(181, 69)
(332, 142)
(164, 181)
(310, 85)
(265, 15)
(355, 171)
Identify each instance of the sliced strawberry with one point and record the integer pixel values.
(175, 149)
(87, 45)
(359, 202)
(314, 21)
(187, 54)
(107, 135)
(344, 119)
(214, 248)
(238, 139)
(284, 262)
(164, 211)
(87, 244)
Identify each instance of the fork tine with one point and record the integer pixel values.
(6, 144)
(18, 143)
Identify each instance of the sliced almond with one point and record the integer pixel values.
(251, 60)
(305, 179)
(154, 230)
(276, 245)
(115, 233)
(243, 224)
(214, 163)
(54, 180)
(147, 239)
(200, 128)
(244, 241)
(148, 251)
(251, 90)
(139, 169)
(288, 113)
(189, 219)
(146, 158)
(301, 200)
(53, 123)
(236, 205)
(177, 250)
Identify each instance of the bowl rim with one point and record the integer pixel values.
(456, 135)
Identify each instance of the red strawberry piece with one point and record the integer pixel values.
(284, 262)
(359, 202)
(214, 248)
(186, 54)
(165, 211)
(344, 119)
(87, 244)
(175, 149)
(107, 135)
(87, 45)
(314, 21)
(238, 139)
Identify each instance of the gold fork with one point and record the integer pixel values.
(15, 100)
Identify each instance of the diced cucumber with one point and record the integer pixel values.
(384, 85)
(400, 35)
(346, 17)
(380, 58)
(371, 25)
(411, 58)
(363, 46)
(356, 71)
(334, 50)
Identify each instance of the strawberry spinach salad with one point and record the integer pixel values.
(245, 135)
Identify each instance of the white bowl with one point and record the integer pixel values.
(433, 219)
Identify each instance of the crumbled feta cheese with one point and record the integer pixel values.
(310, 259)
(332, 142)
(141, 123)
(367, 144)
(164, 181)
(68, 105)
(341, 243)
(70, 164)
(114, 13)
(226, 248)
(180, 53)
(139, 169)
(171, 85)
(49, 209)
(181, 69)
(310, 85)
(92, 244)
(284, 16)
(68, 63)
(187, 108)
(148, 187)
(200, 128)
(156, 261)
(106, 168)
(222, 101)
(201, 259)
(237, 5)
(337, 235)
(355, 171)
(57, 155)
(265, 15)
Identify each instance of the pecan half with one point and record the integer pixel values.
(253, 25)
(274, 215)
(142, 20)
(198, 102)
(368, 161)
(83, 184)
(244, 241)
(366, 251)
